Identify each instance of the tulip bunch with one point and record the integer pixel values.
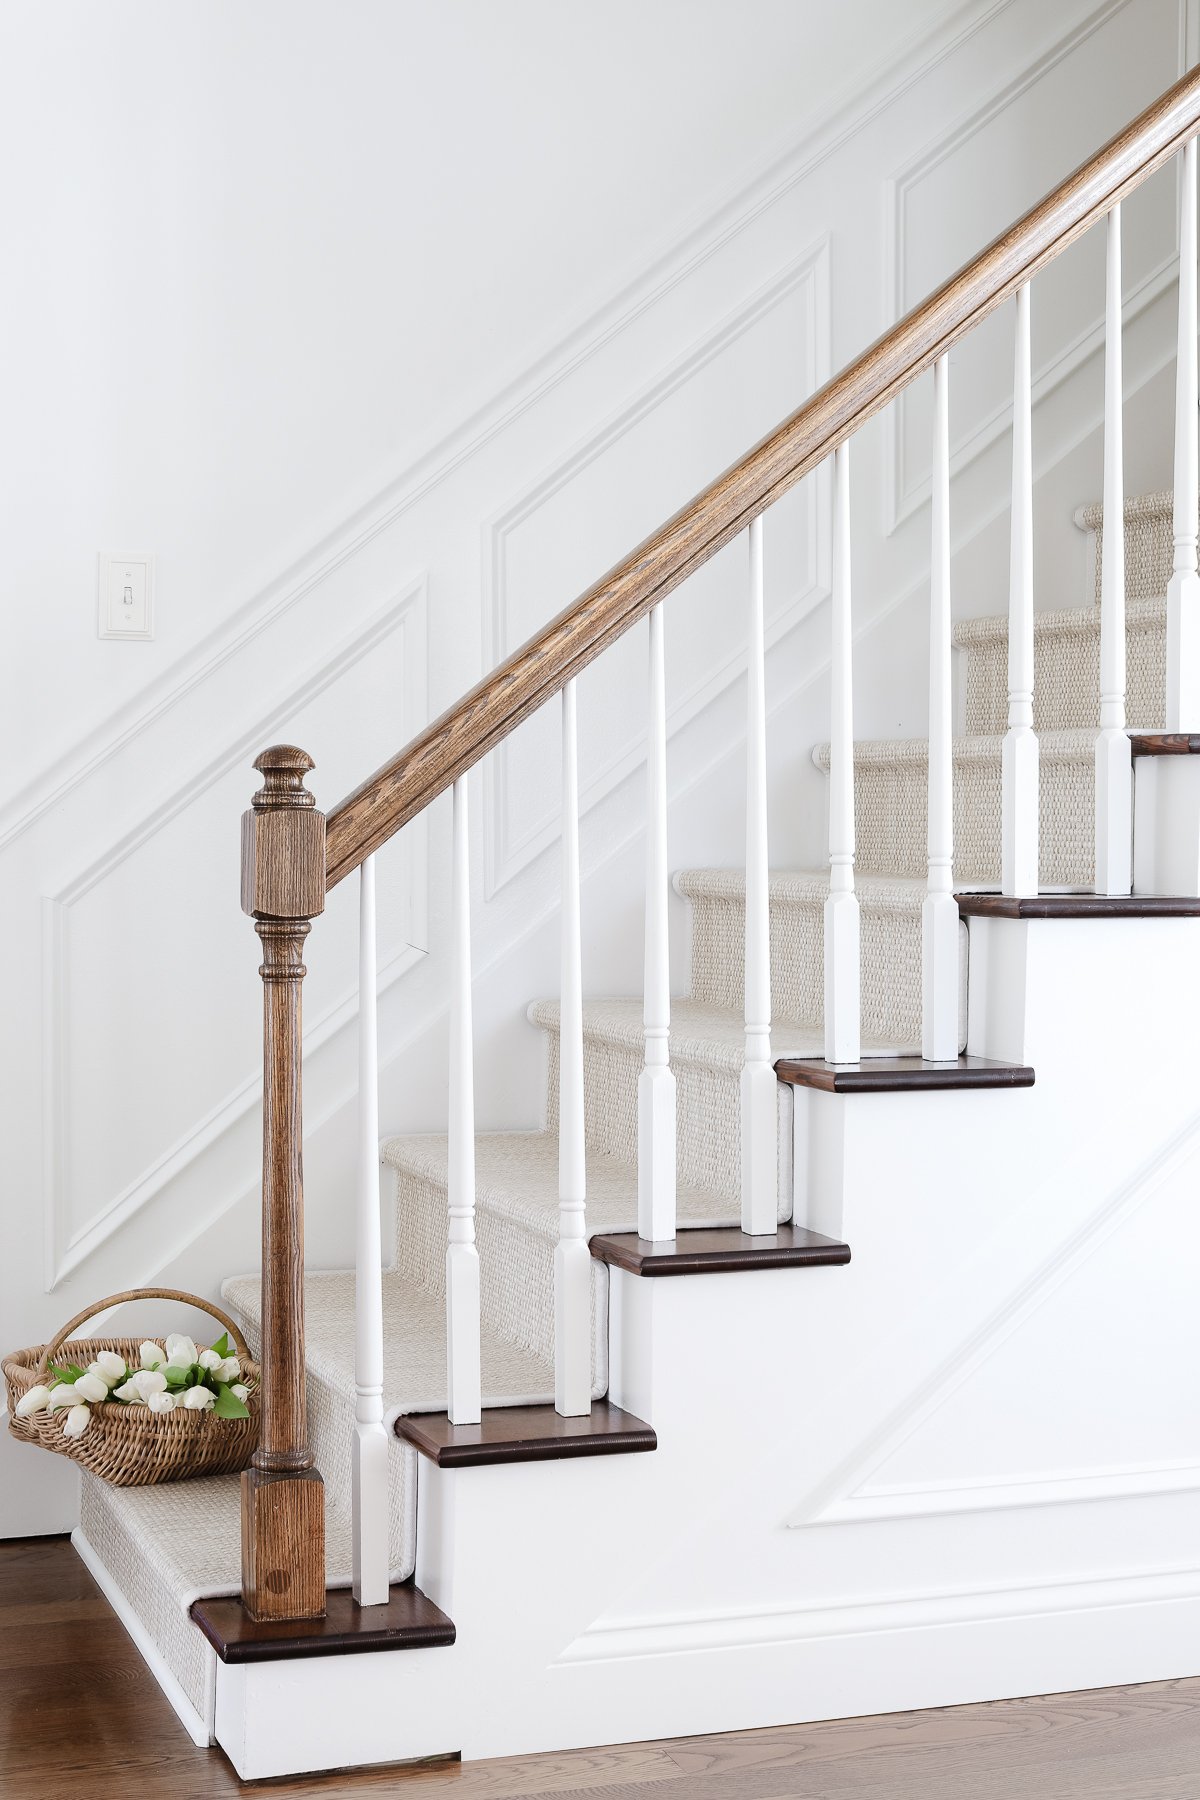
(172, 1374)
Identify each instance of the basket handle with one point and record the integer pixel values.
(150, 1293)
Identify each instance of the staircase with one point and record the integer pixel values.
(769, 1206)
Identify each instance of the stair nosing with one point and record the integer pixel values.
(789, 1246)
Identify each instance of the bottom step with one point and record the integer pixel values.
(409, 1621)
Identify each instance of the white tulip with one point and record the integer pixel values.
(181, 1351)
(149, 1381)
(161, 1403)
(208, 1359)
(152, 1356)
(131, 1394)
(229, 1370)
(91, 1387)
(77, 1421)
(109, 1367)
(62, 1394)
(199, 1399)
(33, 1400)
(240, 1391)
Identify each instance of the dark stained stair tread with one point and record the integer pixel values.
(1078, 906)
(901, 1074)
(508, 1434)
(1165, 743)
(720, 1251)
(409, 1621)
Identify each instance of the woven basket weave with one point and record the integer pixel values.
(130, 1446)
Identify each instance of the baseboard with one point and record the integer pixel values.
(280, 1720)
(200, 1730)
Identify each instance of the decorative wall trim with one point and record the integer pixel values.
(1072, 1487)
(666, 1634)
(904, 496)
(403, 614)
(846, 1490)
(506, 856)
(730, 214)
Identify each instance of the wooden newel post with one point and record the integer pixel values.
(283, 1498)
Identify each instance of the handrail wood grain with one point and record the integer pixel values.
(529, 677)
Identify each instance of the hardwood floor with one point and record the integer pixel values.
(80, 1716)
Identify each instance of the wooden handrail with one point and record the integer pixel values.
(404, 786)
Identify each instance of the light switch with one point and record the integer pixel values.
(126, 608)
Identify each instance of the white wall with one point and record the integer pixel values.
(388, 328)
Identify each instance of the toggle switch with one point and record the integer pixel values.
(126, 608)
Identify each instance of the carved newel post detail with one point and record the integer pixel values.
(283, 1498)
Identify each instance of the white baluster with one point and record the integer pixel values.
(369, 1458)
(572, 1259)
(464, 1400)
(1019, 803)
(842, 1027)
(1114, 762)
(939, 913)
(759, 1091)
(1183, 591)
(656, 1084)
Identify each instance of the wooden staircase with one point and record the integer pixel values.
(526, 1322)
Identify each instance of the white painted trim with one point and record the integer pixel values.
(405, 614)
(200, 1730)
(666, 1634)
(1071, 1487)
(732, 212)
(810, 269)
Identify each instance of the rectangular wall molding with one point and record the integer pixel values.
(70, 1244)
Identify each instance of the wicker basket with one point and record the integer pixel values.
(130, 1446)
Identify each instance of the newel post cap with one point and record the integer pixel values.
(283, 840)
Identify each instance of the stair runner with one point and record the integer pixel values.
(166, 1546)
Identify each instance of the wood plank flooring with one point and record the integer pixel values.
(81, 1719)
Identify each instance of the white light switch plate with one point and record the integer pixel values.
(126, 595)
